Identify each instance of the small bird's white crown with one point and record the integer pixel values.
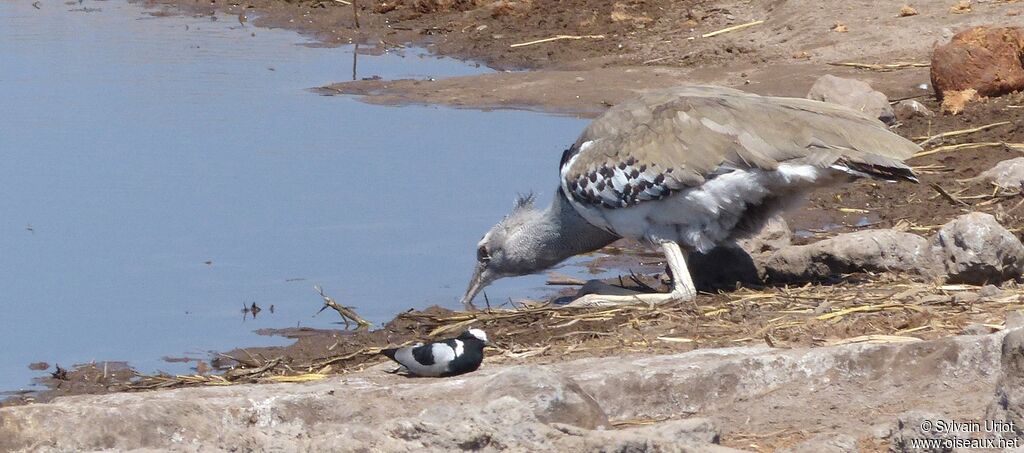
(479, 334)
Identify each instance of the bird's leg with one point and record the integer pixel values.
(682, 281)
(682, 285)
(400, 369)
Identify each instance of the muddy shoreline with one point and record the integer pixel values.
(645, 45)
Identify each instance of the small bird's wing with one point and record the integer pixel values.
(400, 355)
(457, 347)
(444, 353)
(668, 140)
(429, 359)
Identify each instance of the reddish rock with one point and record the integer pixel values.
(985, 59)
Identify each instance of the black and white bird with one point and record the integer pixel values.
(685, 169)
(451, 357)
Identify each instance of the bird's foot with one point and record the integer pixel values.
(652, 299)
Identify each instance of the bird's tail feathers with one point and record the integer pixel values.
(884, 169)
(389, 352)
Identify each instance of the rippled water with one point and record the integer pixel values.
(159, 173)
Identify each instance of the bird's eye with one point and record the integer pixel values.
(482, 255)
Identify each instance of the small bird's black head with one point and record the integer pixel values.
(473, 335)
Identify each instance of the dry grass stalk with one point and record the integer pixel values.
(928, 140)
(883, 67)
(962, 146)
(948, 196)
(731, 29)
(875, 339)
(298, 377)
(556, 38)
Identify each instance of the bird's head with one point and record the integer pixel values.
(473, 334)
(508, 249)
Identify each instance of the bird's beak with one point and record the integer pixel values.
(476, 283)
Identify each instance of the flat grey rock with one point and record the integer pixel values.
(854, 94)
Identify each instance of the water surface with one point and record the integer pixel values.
(159, 173)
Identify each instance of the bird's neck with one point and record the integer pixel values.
(561, 233)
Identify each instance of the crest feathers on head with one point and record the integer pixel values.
(524, 202)
(522, 210)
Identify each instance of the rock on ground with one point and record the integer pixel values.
(825, 443)
(552, 397)
(732, 390)
(1008, 174)
(1008, 404)
(871, 250)
(909, 108)
(972, 248)
(908, 429)
(773, 236)
(989, 60)
(976, 249)
(854, 94)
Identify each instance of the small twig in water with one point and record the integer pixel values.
(355, 12)
(355, 60)
(347, 313)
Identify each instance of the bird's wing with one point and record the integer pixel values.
(429, 359)
(444, 352)
(457, 346)
(668, 140)
(422, 354)
(404, 356)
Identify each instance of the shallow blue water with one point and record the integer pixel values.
(136, 149)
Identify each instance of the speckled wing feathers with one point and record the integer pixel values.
(668, 140)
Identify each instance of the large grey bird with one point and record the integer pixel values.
(687, 168)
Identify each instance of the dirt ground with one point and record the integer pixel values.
(649, 44)
(884, 205)
(629, 32)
